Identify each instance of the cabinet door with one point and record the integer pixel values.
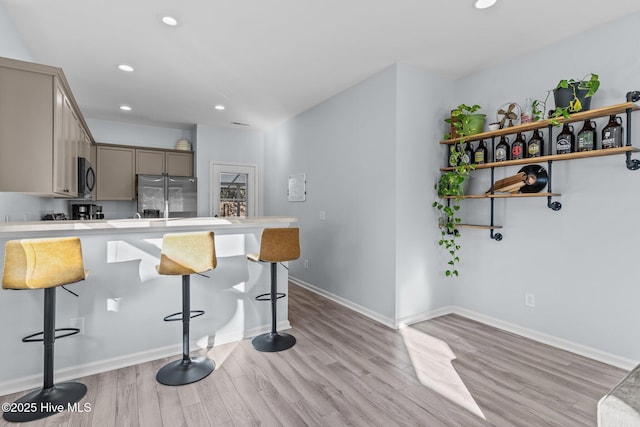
(115, 169)
(179, 164)
(62, 110)
(65, 146)
(149, 162)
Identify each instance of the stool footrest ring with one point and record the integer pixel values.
(176, 317)
(67, 333)
(267, 296)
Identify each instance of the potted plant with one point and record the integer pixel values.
(570, 96)
(470, 121)
(450, 186)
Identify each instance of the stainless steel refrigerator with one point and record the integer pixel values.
(166, 196)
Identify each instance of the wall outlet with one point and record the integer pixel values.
(78, 322)
(529, 299)
(323, 215)
(306, 264)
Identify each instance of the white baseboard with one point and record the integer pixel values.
(72, 373)
(582, 350)
(342, 301)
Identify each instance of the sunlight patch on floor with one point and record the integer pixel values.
(431, 359)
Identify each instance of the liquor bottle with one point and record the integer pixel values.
(566, 141)
(502, 150)
(480, 156)
(535, 147)
(587, 137)
(517, 147)
(467, 154)
(612, 133)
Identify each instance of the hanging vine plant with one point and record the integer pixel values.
(450, 187)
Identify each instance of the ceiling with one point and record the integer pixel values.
(268, 60)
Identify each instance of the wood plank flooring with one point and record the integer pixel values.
(348, 370)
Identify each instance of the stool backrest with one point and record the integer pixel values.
(187, 253)
(279, 244)
(42, 263)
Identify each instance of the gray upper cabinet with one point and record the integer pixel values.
(170, 162)
(41, 129)
(115, 172)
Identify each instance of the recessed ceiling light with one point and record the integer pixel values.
(125, 67)
(169, 20)
(125, 108)
(483, 4)
(219, 107)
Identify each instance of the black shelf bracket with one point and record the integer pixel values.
(554, 206)
(495, 236)
(632, 164)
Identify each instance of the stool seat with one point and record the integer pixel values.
(184, 254)
(45, 264)
(276, 245)
(42, 263)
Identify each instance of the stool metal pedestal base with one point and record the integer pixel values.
(181, 372)
(273, 341)
(45, 402)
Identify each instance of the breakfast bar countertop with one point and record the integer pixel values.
(155, 224)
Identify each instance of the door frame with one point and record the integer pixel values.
(253, 187)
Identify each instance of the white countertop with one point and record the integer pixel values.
(156, 224)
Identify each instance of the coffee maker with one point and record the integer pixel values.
(86, 211)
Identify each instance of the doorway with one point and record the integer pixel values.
(233, 190)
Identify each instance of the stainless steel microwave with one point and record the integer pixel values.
(86, 179)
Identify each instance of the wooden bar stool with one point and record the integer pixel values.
(276, 245)
(45, 264)
(184, 254)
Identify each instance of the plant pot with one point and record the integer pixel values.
(473, 123)
(564, 96)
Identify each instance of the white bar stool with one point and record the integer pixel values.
(45, 264)
(184, 254)
(276, 245)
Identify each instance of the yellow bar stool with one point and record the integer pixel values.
(184, 254)
(276, 245)
(45, 264)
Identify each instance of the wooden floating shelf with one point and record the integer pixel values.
(482, 227)
(555, 157)
(503, 195)
(541, 124)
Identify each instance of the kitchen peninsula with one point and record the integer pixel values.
(122, 302)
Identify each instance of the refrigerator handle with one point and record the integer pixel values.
(166, 196)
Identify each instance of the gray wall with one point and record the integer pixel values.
(579, 262)
(226, 145)
(133, 134)
(346, 148)
(422, 101)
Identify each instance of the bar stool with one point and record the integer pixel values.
(45, 264)
(184, 254)
(276, 245)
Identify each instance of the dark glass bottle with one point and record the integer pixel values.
(502, 150)
(481, 154)
(535, 147)
(517, 147)
(587, 137)
(566, 141)
(612, 133)
(467, 155)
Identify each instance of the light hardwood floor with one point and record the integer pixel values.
(349, 370)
